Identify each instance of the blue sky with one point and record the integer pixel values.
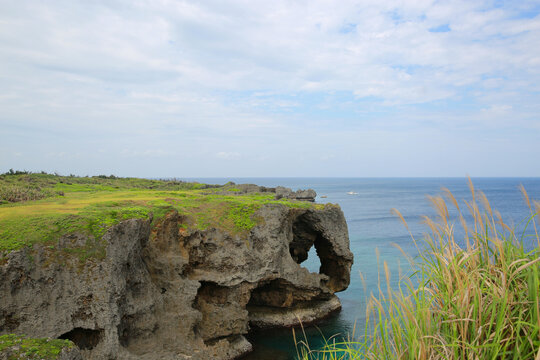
(271, 88)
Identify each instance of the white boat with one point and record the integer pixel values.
(352, 193)
(324, 196)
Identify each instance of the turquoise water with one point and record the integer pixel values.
(372, 226)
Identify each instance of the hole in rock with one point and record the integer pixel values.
(85, 339)
(309, 244)
(275, 293)
(312, 263)
(210, 292)
(8, 321)
(303, 239)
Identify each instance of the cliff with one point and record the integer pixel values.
(164, 288)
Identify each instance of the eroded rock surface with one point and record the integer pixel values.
(170, 293)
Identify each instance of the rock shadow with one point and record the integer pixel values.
(85, 339)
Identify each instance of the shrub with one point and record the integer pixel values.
(16, 194)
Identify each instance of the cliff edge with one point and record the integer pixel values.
(166, 289)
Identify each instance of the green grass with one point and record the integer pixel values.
(27, 186)
(90, 206)
(480, 300)
(23, 347)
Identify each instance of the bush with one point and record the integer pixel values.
(16, 172)
(16, 194)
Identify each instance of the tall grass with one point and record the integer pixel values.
(474, 297)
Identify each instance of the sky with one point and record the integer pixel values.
(240, 88)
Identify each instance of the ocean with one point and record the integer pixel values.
(374, 229)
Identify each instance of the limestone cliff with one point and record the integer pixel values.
(166, 292)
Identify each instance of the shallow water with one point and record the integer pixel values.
(372, 226)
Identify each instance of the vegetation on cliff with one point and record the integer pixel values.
(41, 208)
(21, 347)
(475, 294)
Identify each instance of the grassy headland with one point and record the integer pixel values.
(472, 297)
(41, 208)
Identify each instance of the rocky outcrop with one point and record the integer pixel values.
(280, 192)
(303, 195)
(164, 292)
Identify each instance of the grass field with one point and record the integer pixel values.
(41, 208)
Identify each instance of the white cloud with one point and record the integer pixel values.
(498, 109)
(281, 46)
(192, 78)
(228, 155)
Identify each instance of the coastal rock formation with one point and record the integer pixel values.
(304, 195)
(280, 191)
(164, 292)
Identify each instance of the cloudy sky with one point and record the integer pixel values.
(270, 88)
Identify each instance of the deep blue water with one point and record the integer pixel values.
(372, 226)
